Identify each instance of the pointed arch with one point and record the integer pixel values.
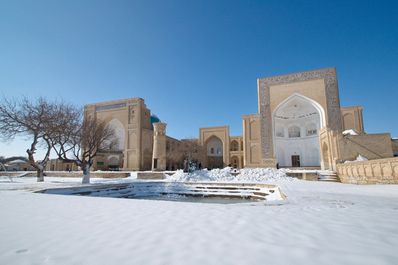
(214, 152)
(120, 135)
(234, 146)
(315, 104)
(300, 118)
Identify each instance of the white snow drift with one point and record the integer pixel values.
(225, 175)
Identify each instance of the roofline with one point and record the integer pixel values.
(114, 101)
(293, 73)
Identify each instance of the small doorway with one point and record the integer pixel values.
(295, 161)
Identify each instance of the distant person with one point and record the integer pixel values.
(186, 166)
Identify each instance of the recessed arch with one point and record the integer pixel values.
(113, 160)
(300, 119)
(311, 129)
(315, 104)
(294, 131)
(234, 145)
(214, 152)
(117, 144)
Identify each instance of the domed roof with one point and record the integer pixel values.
(154, 119)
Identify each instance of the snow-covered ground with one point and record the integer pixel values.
(322, 223)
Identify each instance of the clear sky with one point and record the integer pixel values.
(196, 62)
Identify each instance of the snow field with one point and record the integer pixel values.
(322, 223)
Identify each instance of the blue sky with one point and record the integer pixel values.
(196, 62)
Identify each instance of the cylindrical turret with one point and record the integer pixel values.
(159, 146)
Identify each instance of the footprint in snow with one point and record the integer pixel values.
(20, 251)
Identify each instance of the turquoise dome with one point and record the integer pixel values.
(154, 119)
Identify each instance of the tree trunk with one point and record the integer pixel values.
(86, 174)
(40, 175)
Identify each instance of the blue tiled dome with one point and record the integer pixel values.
(154, 119)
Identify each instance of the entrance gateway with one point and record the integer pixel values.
(295, 161)
(297, 121)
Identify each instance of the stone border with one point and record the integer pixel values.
(378, 171)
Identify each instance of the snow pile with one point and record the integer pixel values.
(358, 159)
(224, 175)
(263, 174)
(350, 132)
(361, 158)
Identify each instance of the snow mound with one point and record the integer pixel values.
(361, 158)
(350, 132)
(358, 159)
(224, 175)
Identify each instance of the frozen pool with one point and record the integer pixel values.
(210, 192)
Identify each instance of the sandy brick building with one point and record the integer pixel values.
(136, 129)
(299, 123)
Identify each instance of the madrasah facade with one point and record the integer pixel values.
(299, 124)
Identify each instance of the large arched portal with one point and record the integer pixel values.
(214, 151)
(117, 142)
(296, 124)
(114, 147)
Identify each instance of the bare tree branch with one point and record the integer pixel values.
(29, 118)
(80, 139)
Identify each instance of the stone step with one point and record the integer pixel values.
(330, 176)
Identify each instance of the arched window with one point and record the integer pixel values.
(294, 131)
(214, 146)
(311, 129)
(234, 146)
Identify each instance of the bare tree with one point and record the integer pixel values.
(32, 119)
(80, 141)
(2, 162)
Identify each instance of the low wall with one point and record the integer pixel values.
(379, 171)
(151, 175)
(77, 174)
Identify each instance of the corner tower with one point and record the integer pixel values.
(159, 147)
